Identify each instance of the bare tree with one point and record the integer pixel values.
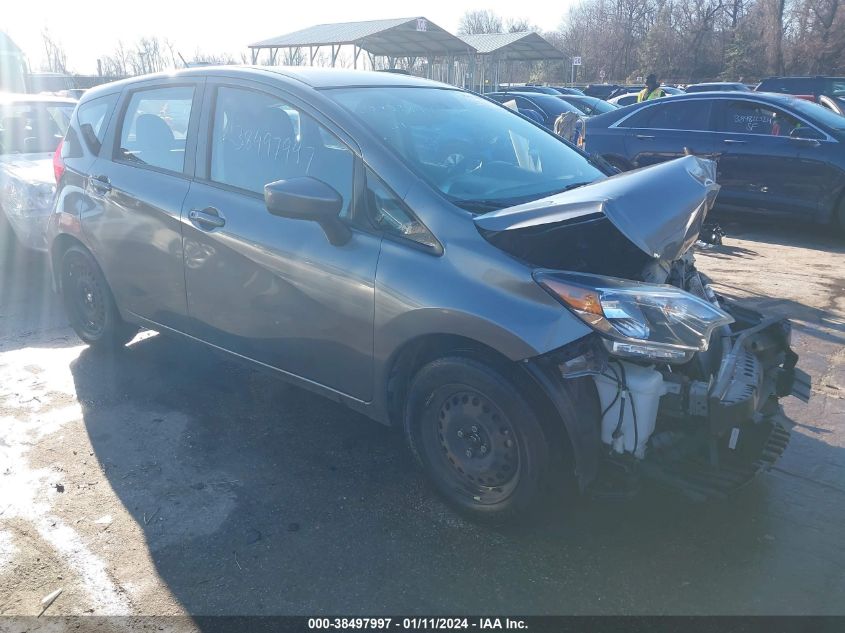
(55, 59)
(520, 25)
(216, 59)
(478, 22)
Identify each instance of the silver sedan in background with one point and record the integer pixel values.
(31, 127)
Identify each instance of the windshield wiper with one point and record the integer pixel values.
(481, 205)
(489, 204)
(574, 185)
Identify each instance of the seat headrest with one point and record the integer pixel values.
(152, 132)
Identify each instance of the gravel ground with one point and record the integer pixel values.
(168, 481)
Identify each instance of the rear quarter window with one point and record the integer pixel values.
(92, 118)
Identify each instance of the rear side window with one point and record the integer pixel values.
(155, 127)
(93, 119)
(679, 115)
(258, 139)
(747, 117)
(32, 127)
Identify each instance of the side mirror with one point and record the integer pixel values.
(307, 198)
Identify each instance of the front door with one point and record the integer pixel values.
(269, 288)
(136, 191)
(667, 130)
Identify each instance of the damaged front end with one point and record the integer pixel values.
(687, 382)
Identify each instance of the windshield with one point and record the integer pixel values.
(837, 88)
(33, 127)
(819, 114)
(479, 154)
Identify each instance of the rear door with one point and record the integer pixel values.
(762, 168)
(134, 227)
(269, 288)
(668, 129)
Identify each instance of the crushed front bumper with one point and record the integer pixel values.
(715, 436)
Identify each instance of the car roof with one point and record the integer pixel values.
(773, 98)
(314, 77)
(10, 98)
(804, 77)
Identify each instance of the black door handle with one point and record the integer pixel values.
(100, 183)
(207, 219)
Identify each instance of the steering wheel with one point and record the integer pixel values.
(460, 158)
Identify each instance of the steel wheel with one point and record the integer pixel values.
(84, 296)
(89, 304)
(478, 439)
(476, 442)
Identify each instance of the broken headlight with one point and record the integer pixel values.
(648, 321)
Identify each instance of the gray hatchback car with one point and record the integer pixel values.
(432, 260)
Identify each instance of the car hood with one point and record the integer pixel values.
(659, 209)
(30, 168)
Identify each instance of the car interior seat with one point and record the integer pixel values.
(155, 143)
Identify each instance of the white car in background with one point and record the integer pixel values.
(31, 127)
(631, 97)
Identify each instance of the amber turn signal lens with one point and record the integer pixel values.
(577, 298)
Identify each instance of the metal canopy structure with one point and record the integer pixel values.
(398, 38)
(525, 46)
(492, 49)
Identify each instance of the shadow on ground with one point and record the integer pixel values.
(258, 498)
(784, 232)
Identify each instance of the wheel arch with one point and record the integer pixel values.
(418, 352)
(58, 248)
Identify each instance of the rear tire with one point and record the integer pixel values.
(477, 439)
(89, 303)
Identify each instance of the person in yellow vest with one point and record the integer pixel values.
(652, 89)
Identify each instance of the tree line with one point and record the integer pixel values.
(691, 40)
(618, 40)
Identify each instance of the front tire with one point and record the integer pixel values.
(477, 439)
(89, 304)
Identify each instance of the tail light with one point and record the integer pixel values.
(58, 162)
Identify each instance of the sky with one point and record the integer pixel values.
(88, 29)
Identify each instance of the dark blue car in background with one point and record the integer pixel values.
(776, 155)
(543, 108)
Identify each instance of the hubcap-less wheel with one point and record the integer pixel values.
(85, 297)
(476, 442)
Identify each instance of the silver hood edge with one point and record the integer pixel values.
(660, 208)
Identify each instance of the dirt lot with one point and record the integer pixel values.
(169, 481)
